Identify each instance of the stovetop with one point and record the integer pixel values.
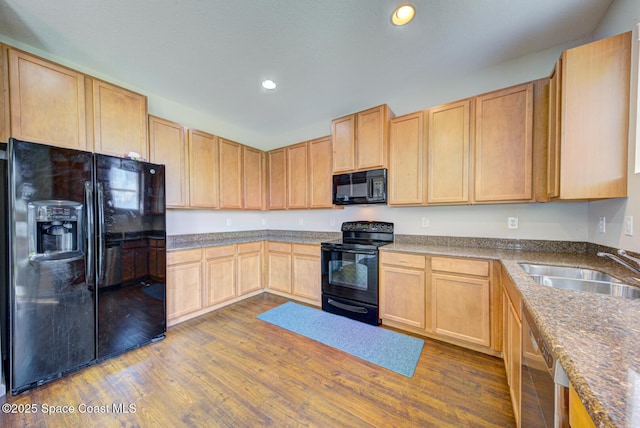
(362, 235)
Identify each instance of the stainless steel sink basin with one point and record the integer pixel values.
(567, 272)
(588, 280)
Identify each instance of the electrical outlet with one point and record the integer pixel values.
(332, 222)
(512, 223)
(228, 222)
(602, 225)
(300, 221)
(628, 225)
(263, 221)
(425, 222)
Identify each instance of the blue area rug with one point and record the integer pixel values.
(388, 349)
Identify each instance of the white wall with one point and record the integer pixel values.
(622, 16)
(554, 221)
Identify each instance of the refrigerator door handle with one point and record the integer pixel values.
(91, 233)
(101, 243)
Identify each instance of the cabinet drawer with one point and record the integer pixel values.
(464, 266)
(309, 250)
(225, 250)
(279, 246)
(249, 247)
(183, 256)
(403, 259)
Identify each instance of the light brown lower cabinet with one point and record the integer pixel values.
(461, 300)
(578, 415)
(512, 343)
(220, 274)
(451, 299)
(403, 289)
(294, 270)
(306, 272)
(203, 279)
(249, 268)
(184, 283)
(279, 266)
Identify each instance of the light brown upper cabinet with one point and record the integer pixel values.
(119, 120)
(503, 149)
(230, 160)
(48, 103)
(297, 170)
(589, 121)
(168, 146)
(406, 160)
(203, 169)
(361, 140)
(320, 182)
(4, 93)
(277, 179)
(253, 179)
(448, 153)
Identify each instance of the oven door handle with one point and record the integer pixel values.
(350, 308)
(365, 252)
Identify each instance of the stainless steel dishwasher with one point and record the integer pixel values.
(545, 386)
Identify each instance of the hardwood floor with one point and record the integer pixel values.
(229, 369)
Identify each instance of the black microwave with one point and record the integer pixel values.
(364, 187)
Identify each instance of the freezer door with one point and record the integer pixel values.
(52, 303)
(131, 254)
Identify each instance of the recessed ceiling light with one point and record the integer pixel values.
(403, 15)
(268, 84)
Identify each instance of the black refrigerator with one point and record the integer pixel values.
(85, 259)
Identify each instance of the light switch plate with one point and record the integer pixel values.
(512, 223)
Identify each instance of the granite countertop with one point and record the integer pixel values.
(185, 242)
(595, 337)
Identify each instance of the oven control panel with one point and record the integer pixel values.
(367, 226)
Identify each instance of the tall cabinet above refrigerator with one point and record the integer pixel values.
(85, 252)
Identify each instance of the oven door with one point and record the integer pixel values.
(351, 274)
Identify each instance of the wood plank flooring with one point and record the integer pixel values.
(229, 369)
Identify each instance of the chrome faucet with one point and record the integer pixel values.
(624, 263)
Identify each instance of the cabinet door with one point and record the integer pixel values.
(119, 120)
(553, 142)
(230, 174)
(320, 177)
(168, 146)
(343, 134)
(402, 295)
(504, 145)
(253, 178)
(277, 167)
(47, 102)
(461, 308)
(372, 147)
(594, 122)
(203, 170)
(406, 160)
(279, 266)
(297, 176)
(249, 267)
(220, 269)
(307, 272)
(448, 152)
(184, 283)
(4, 94)
(513, 349)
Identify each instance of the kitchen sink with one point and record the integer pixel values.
(579, 279)
(567, 272)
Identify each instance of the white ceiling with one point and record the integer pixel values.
(329, 57)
